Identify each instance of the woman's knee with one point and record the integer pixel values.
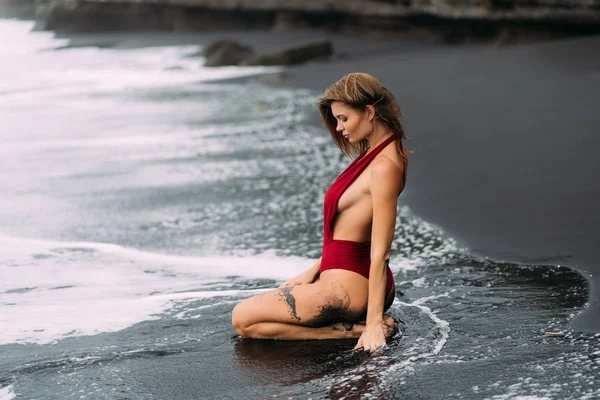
(239, 320)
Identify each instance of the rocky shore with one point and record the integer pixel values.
(445, 20)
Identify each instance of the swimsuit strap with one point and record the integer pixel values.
(345, 179)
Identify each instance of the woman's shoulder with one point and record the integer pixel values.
(385, 164)
(387, 171)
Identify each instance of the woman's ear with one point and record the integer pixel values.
(370, 112)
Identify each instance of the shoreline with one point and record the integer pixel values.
(504, 138)
(535, 200)
(162, 193)
(504, 148)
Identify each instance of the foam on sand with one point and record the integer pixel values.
(51, 290)
(6, 393)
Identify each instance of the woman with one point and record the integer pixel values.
(351, 282)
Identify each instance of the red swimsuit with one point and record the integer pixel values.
(346, 254)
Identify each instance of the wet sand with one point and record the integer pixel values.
(504, 138)
(505, 143)
(471, 329)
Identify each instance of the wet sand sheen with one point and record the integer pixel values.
(504, 139)
(481, 326)
(504, 147)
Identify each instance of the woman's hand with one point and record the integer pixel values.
(304, 278)
(373, 338)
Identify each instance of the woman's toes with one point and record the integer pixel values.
(359, 328)
(349, 329)
(390, 326)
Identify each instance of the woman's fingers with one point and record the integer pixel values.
(367, 342)
(360, 344)
(374, 348)
(379, 349)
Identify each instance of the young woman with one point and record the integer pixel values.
(351, 282)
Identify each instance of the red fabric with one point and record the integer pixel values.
(346, 254)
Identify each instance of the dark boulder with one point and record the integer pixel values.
(293, 56)
(21, 9)
(226, 52)
(78, 16)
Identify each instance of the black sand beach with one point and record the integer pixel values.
(504, 138)
(175, 232)
(505, 143)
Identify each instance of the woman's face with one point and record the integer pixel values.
(353, 124)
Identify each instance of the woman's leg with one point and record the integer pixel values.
(389, 322)
(321, 310)
(389, 298)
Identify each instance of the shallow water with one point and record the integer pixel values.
(143, 196)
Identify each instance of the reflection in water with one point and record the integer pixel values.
(290, 364)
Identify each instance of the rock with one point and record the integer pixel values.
(41, 16)
(453, 21)
(189, 17)
(293, 56)
(77, 16)
(226, 52)
(21, 9)
(288, 21)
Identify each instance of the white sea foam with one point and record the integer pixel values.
(513, 396)
(23, 41)
(426, 299)
(79, 143)
(578, 370)
(429, 345)
(420, 282)
(7, 393)
(96, 70)
(50, 290)
(443, 330)
(422, 348)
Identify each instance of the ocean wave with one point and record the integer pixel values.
(52, 290)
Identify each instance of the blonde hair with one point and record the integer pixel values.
(358, 90)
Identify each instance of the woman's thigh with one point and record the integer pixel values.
(314, 305)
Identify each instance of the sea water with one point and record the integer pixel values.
(143, 195)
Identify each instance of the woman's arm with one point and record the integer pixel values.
(385, 187)
(308, 276)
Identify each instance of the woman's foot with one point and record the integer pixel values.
(356, 329)
(390, 326)
(348, 329)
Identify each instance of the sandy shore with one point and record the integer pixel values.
(505, 147)
(504, 139)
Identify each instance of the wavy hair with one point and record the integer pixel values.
(358, 90)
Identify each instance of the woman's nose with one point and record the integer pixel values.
(339, 127)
